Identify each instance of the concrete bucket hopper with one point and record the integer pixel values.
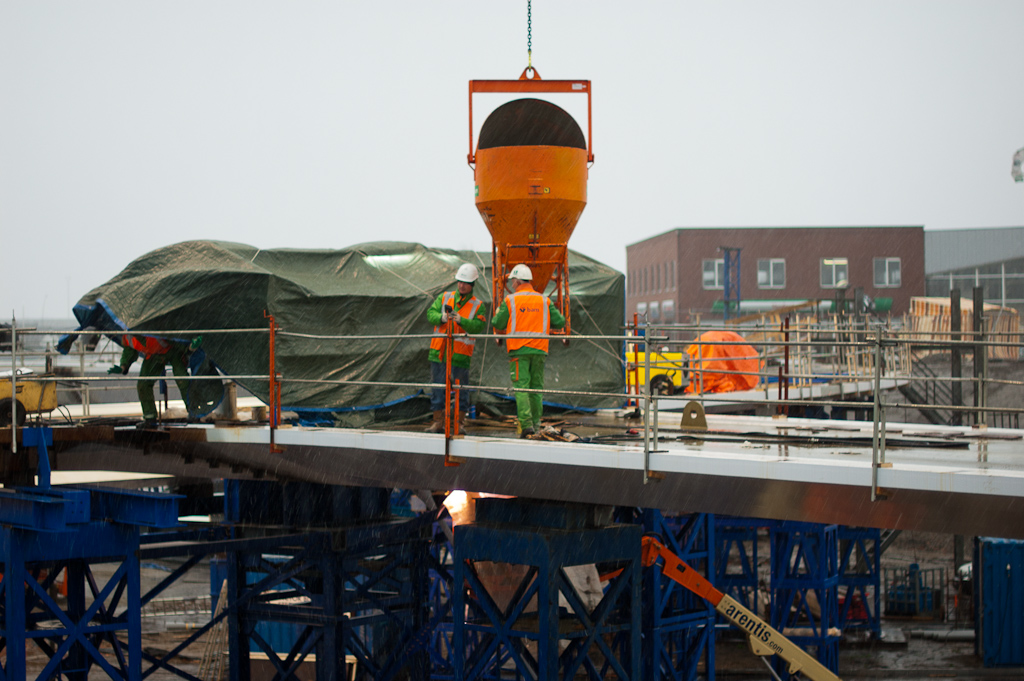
(531, 166)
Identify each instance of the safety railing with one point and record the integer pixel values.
(878, 352)
(914, 593)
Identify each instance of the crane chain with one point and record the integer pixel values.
(529, 35)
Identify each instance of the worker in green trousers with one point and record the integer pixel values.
(156, 354)
(531, 316)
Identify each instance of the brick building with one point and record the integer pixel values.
(682, 271)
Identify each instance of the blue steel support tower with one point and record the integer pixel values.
(805, 581)
(732, 280)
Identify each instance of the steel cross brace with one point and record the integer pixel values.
(860, 573)
(805, 558)
(76, 640)
(546, 552)
(678, 626)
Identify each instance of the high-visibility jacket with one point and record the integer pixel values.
(147, 346)
(461, 345)
(527, 315)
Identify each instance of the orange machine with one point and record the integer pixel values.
(530, 168)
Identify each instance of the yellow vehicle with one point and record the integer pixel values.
(33, 396)
(669, 372)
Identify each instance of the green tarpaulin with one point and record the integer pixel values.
(372, 289)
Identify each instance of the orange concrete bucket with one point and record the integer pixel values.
(531, 166)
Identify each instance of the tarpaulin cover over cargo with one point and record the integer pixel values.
(716, 362)
(381, 288)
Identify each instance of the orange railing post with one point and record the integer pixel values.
(274, 388)
(450, 429)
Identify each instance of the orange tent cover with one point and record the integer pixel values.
(718, 360)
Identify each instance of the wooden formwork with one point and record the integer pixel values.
(930, 321)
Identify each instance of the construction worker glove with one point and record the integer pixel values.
(444, 317)
(117, 369)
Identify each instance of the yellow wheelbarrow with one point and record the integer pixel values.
(33, 397)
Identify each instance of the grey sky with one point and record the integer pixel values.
(129, 125)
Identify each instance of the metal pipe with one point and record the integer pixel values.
(713, 397)
(979, 349)
(86, 397)
(668, 327)
(982, 381)
(700, 362)
(956, 358)
(654, 407)
(14, 384)
(786, 376)
(876, 431)
(881, 418)
(281, 332)
(647, 399)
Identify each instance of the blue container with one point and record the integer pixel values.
(998, 573)
(280, 635)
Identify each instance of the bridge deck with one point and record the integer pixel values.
(951, 480)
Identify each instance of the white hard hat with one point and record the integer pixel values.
(467, 273)
(521, 272)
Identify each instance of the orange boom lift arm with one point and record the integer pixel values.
(762, 639)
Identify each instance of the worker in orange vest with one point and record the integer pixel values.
(527, 312)
(156, 354)
(469, 315)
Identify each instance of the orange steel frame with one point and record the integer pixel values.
(451, 412)
(499, 273)
(274, 397)
(533, 84)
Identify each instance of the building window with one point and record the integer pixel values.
(834, 273)
(657, 277)
(771, 273)
(887, 272)
(655, 312)
(641, 310)
(668, 311)
(714, 273)
(672, 275)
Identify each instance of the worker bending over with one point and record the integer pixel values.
(156, 354)
(527, 312)
(468, 315)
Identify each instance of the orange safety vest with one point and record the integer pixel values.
(147, 346)
(461, 344)
(528, 315)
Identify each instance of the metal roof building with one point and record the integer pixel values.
(964, 258)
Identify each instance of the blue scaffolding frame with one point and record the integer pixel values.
(555, 642)
(361, 579)
(52, 530)
(678, 625)
(738, 537)
(805, 561)
(860, 576)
